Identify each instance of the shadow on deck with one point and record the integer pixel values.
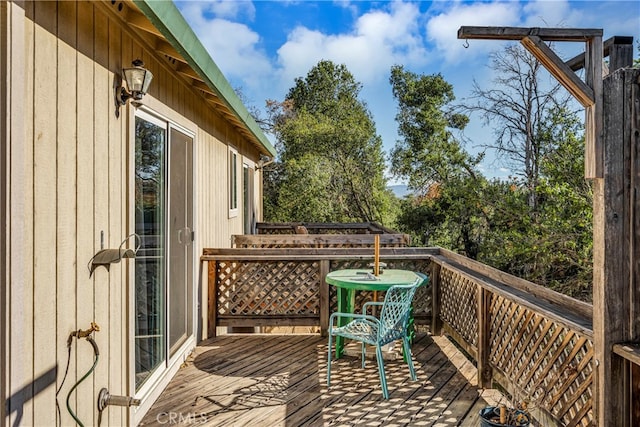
(280, 380)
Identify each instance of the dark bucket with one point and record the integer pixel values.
(486, 414)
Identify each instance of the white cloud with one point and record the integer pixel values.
(616, 18)
(378, 40)
(442, 29)
(233, 46)
(541, 13)
(218, 8)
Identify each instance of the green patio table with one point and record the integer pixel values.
(351, 280)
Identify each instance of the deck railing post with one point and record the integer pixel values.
(324, 297)
(484, 321)
(434, 278)
(615, 248)
(212, 293)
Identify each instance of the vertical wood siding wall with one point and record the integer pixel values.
(69, 181)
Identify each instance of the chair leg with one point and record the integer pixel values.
(364, 350)
(407, 355)
(329, 362)
(383, 378)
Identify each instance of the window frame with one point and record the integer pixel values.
(232, 165)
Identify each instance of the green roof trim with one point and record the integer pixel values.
(166, 17)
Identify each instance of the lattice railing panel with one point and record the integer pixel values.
(458, 305)
(544, 361)
(268, 288)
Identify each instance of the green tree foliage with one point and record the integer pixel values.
(553, 247)
(331, 162)
(548, 241)
(450, 215)
(439, 171)
(427, 153)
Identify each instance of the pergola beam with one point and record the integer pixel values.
(559, 70)
(518, 33)
(619, 49)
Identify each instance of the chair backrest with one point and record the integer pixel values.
(395, 311)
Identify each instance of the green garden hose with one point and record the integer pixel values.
(96, 354)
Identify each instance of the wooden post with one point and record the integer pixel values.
(324, 297)
(484, 324)
(634, 142)
(635, 394)
(593, 158)
(615, 297)
(212, 282)
(200, 331)
(434, 279)
(620, 52)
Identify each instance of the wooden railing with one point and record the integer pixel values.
(286, 287)
(322, 228)
(535, 343)
(318, 240)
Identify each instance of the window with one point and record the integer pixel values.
(233, 182)
(247, 201)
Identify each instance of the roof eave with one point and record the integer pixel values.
(166, 17)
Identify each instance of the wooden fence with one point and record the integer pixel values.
(322, 228)
(318, 240)
(535, 343)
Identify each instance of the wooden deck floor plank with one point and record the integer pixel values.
(427, 400)
(280, 381)
(452, 401)
(436, 409)
(246, 361)
(226, 351)
(224, 362)
(221, 378)
(308, 405)
(347, 377)
(459, 407)
(428, 361)
(405, 400)
(300, 375)
(406, 388)
(398, 381)
(283, 375)
(307, 408)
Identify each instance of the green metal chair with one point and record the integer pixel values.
(368, 329)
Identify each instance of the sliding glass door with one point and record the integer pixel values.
(164, 262)
(180, 238)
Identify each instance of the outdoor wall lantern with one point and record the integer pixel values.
(137, 80)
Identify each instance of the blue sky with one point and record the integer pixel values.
(262, 46)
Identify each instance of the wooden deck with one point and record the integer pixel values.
(280, 380)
